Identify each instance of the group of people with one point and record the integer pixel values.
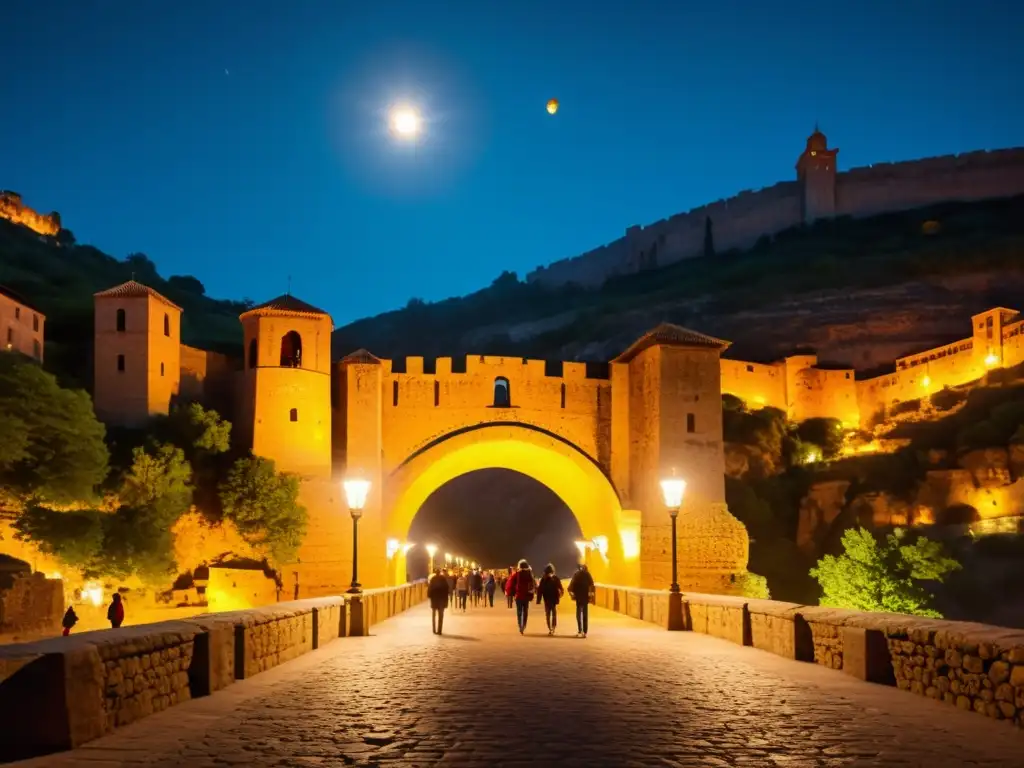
(450, 588)
(115, 615)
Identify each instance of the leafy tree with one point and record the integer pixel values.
(187, 283)
(883, 576)
(753, 586)
(159, 479)
(137, 541)
(51, 445)
(195, 429)
(75, 538)
(825, 433)
(263, 505)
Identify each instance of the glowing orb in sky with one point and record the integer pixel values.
(405, 122)
(552, 106)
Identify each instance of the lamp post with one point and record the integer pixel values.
(356, 491)
(672, 489)
(431, 551)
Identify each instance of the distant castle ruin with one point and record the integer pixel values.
(819, 192)
(12, 209)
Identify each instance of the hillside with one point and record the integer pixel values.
(60, 278)
(860, 292)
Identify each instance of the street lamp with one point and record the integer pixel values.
(672, 489)
(356, 491)
(431, 551)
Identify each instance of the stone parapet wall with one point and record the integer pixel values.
(65, 691)
(975, 667)
(31, 607)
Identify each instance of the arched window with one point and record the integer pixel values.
(291, 350)
(253, 349)
(502, 394)
(167, 324)
(120, 320)
(293, 414)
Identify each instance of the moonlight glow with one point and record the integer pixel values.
(405, 122)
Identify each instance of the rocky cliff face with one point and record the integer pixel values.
(12, 209)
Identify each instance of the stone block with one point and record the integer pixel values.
(720, 616)
(781, 629)
(866, 655)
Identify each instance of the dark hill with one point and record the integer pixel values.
(60, 278)
(860, 292)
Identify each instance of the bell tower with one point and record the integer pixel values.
(816, 173)
(286, 399)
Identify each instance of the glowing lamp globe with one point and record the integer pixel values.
(552, 106)
(672, 489)
(356, 491)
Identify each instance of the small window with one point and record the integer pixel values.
(37, 349)
(394, 392)
(691, 423)
(253, 349)
(291, 350)
(847, 374)
(120, 363)
(161, 369)
(35, 322)
(293, 414)
(17, 312)
(502, 396)
(563, 394)
(120, 320)
(10, 335)
(167, 324)
(750, 369)
(437, 393)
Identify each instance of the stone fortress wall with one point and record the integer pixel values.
(738, 222)
(13, 209)
(797, 386)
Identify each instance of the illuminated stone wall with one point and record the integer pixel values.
(13, 209)
(21, 327)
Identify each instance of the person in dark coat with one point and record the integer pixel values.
(580, 587)
(437, 592)
(451, 587)
(115, 612)
(69, 620)
(550, 591)
(489, 586)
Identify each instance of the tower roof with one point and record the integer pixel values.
(15, 296)
(361, 356)
(670, 335)
(135, 290)
(286, 304)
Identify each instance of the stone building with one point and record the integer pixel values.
(13, 209)
(600, 436)
(21, 325)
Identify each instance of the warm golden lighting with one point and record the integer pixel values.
(600, 543)
(630, 545)
(432, 550)
(406, 547)
(393, 546)
(813, 455)
(926, 382)
(405, 122)
(356, 491)
(93, 592)
(672, 489)
(991, 361)
(552, 106)
(55, 575)
(448, 557)
(582, 546)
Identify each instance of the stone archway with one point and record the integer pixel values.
(549, 459)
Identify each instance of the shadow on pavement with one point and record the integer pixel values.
(444, 636)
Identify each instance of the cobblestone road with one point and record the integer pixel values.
(481, 695)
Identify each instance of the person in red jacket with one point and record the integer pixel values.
(522, 587)
(115, 612)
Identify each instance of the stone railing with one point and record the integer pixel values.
(62, 692)
(972, 666)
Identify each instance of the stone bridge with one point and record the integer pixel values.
(268, 687)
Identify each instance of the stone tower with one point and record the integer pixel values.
(816, 173)
(137, 354)
(286, 397)
(675, 427)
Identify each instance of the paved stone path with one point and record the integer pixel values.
(481, 695)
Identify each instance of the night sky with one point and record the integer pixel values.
(242, 141)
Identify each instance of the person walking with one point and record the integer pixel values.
(522, 587)
(580, 588)
(462, 585)
(504, 586)
(452, 593)
(478, 587)
(437, 592)
(489, 586)
(550, 591)
(69, 620)
(115, 612)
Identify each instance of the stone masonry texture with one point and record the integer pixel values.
(480, 695)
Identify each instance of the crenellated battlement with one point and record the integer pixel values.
(472, 365)
(13, 209)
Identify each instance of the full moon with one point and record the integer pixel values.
(405, 122)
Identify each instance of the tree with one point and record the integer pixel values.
(826, 433)
(160, 479)
(187, 283)
(198, 430)
(885, 576)
(263, 505)
(709, 238)
(75, 538)
(51, 445)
